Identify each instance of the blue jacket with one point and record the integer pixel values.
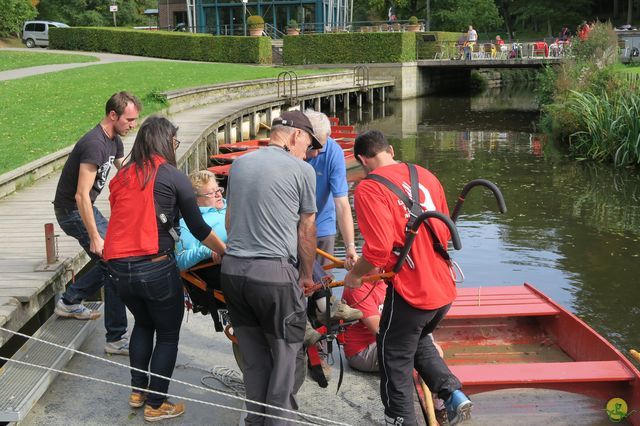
(331, 182)
(190, 251)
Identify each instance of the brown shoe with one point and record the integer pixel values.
(167, 410)
(137, 399)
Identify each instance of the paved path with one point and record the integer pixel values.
(104, 58)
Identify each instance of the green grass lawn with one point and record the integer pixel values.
(13, 60)
(42, 114)
(631, 68)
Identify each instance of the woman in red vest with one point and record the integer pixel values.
(147, 195)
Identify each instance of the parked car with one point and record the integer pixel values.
(36, 33)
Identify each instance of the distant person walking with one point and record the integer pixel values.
(81, 181)
(472, 35)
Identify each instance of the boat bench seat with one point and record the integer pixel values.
(539, 373)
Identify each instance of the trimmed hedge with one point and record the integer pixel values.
(349, 48)
(163, 44)
(427, 49)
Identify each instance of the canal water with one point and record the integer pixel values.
(572, 228)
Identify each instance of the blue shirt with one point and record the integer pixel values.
(331, 182)
(190, 251)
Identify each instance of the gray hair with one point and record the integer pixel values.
(321, 124)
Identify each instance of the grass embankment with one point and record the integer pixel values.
(13, 60)
(45, 113)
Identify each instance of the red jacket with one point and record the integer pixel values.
(382, 219)
(133, 228)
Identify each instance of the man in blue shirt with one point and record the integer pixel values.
(331, 191)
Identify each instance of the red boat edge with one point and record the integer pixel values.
(512, 337)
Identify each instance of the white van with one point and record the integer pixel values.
(36, 33)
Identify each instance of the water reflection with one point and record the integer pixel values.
(572, 229)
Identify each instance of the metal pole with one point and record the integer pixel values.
(244, 16)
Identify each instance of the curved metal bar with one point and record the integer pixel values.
(455, 238)
(478, 182)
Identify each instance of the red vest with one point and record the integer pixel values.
(132, 229)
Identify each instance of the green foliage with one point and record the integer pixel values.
(477, 82)
(255, 22)
(609, 126)
(427, 49)
(13, 13)
(600, 46)
(13, 60)
(349, 48)
(164, 44)
(30, 105)
(413, 20)
(95, 12)
(592, 105)
(546, 86)
(293, 24)
(457, 15)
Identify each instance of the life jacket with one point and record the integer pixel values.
(133, 228)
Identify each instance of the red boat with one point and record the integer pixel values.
(221, 163)
(515, 337)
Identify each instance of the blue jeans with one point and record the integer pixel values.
(153, 293)
(115, 314)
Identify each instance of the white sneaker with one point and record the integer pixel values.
(78, 311)
(119, 347)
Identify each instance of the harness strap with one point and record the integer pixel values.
(413, 206)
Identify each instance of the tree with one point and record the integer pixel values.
(94, 12)
(13, 13)
(457, 15)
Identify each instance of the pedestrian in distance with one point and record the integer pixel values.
(271, 198)
(82, 179)
(147, 195)
(420, 294)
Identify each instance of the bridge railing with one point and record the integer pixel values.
(487, 50)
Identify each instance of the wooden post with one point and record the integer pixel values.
(269, 119)
(346, 101)
(227, 132)
(252, 125)
(359, 100)
(370, 96)
(317, 104)
(50, 243)
(332, 104)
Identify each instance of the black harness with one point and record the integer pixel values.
(413, 205)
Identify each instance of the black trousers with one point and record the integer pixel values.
(404, 344)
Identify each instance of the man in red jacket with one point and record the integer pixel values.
(419, 295)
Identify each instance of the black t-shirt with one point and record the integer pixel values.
(93, 148)
(174, 194)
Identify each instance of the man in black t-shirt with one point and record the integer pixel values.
(81, 181)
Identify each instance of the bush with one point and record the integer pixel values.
(413, 20)
(255, 22)
(349, 48)
(477, 82)
(600, 47)
(163, 44)
(13, 13)
(293, 24)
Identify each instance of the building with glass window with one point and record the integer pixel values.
(225, 17)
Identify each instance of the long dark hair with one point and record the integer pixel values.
(154, 138)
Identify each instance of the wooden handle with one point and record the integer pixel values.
(338, 262)
(635, 354)
(428, 401)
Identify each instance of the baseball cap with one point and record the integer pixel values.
(300, 121)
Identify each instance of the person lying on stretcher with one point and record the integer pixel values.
(190, 252)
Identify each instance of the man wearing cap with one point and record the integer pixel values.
(269, 260)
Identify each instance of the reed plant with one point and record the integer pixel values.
(609, 126)
(592, 106)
